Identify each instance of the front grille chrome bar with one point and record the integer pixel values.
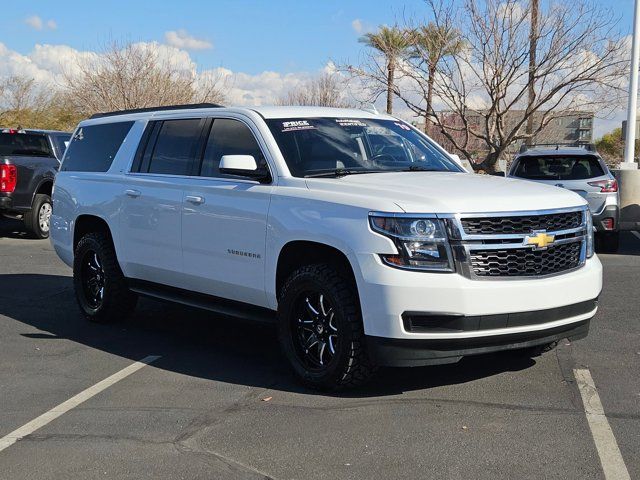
(464, 244)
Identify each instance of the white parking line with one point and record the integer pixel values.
(636, 234)
(73, 402)
(610, 456)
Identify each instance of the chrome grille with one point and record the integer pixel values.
(497, 246)
(521, 224)
(525, 261)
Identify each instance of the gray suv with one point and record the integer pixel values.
(581, 169)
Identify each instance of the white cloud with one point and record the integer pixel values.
(47, 64)
(182, 39)
(360, 26)
(35, 22)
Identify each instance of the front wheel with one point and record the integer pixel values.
(101, 289)
(320, 329)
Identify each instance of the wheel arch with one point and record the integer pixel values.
(298, 253)
(89, 223)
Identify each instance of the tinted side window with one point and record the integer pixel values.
(229, 137)
(93, 148)
(176, 147)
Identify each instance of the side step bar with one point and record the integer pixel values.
(202, 301)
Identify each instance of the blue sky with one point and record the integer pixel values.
(247, 37)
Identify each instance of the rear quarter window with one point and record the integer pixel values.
(93, 147)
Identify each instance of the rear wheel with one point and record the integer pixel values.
(101, 289)
(320, 329)
(37, 220)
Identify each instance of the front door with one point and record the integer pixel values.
(224, 220)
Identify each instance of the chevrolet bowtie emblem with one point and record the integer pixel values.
(540, 240)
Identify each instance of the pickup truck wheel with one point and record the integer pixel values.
(320, 329)
(37, 220)
(100, 287)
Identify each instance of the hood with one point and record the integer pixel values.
(448, 192)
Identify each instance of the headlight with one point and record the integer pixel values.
(421, 242)
(589, 223)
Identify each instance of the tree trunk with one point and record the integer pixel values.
(391, 72)
(533, 45)
(489, 162)
(430, 81)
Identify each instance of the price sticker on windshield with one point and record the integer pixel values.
(294, 125)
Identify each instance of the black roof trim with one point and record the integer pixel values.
(188, 106)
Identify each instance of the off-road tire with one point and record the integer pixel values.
(117, 300)
(351, 365)
(32, 217)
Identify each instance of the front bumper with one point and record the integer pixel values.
(609, 211)
(386, 294)
(414, 353)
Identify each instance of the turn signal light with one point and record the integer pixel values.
(8, 178)
(606, 186)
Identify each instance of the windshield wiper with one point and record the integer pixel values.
(340, 172)
(417, 168)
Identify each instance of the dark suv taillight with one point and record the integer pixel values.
(8, 178)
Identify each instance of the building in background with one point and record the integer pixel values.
(571, 127)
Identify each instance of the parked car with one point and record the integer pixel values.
(29, 160)
(581, 169)
(365, 253)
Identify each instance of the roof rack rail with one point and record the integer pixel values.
(587, 146)
(154, 109)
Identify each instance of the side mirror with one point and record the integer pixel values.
(243, 166)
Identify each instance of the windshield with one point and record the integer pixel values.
(313, 146)
(24, 144)
(558, 168)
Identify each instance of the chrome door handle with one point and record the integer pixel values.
(132, 193)
(196, 200)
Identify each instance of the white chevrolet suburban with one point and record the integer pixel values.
(360, 237)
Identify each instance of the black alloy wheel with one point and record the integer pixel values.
(317, 334)
(93, 281)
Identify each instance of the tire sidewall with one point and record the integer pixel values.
(34, 220)
(299, 283)
(86, 244)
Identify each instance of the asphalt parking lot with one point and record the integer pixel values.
(221, 403)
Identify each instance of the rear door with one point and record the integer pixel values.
(224, 220)
(152, 194)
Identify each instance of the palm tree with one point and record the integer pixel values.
(392, 42)
(432, 43)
